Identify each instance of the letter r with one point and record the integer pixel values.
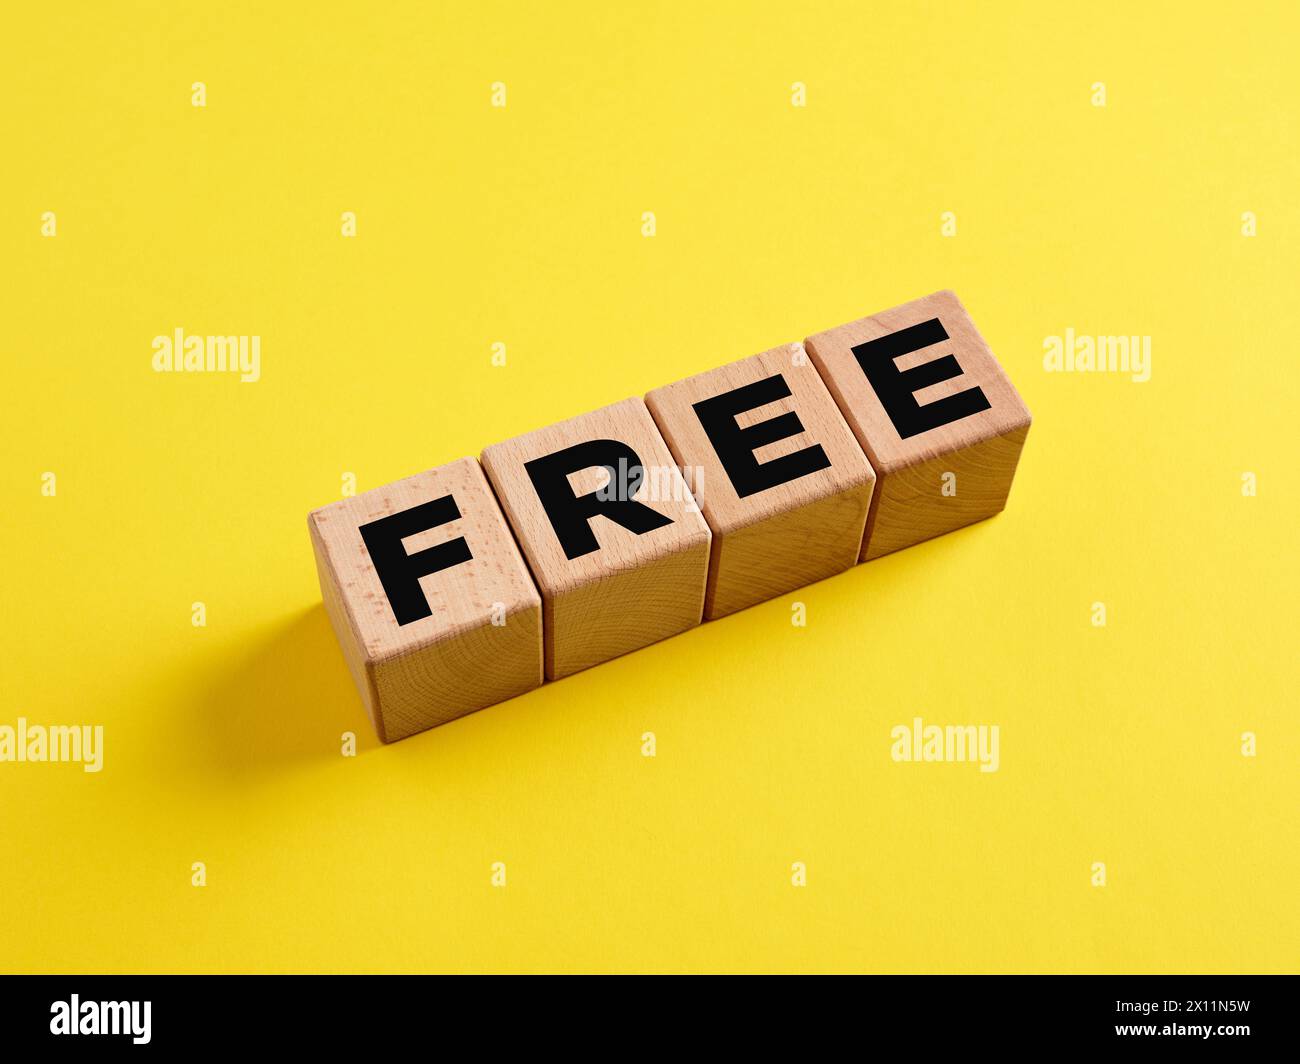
(570, 515)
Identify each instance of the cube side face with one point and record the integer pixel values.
(626, 611)
(786, 552)
(594, 572)
(942, 387)
(452, 678)
(942, 494)
(420, 571)
(346, 634)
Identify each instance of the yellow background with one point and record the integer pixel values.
(523, 225)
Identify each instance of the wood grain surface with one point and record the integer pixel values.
(784, 536)
(635, 589)
(980, 450)
(456, 660)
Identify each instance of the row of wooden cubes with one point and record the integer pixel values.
(471, 583)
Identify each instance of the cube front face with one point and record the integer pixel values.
(621, 559)
(429, 597)
(934, 412)
(912, 504)
(781, 480)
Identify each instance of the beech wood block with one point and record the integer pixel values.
(934, 412)
(612, 534)
(779, 477)
(429, 597)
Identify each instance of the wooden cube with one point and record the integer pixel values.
(783, 484)
(935, 413)
(429, 597)
(612, 534)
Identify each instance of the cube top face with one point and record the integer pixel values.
(472, 566)
(569, 465)
(759, 437)
(917, 381)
